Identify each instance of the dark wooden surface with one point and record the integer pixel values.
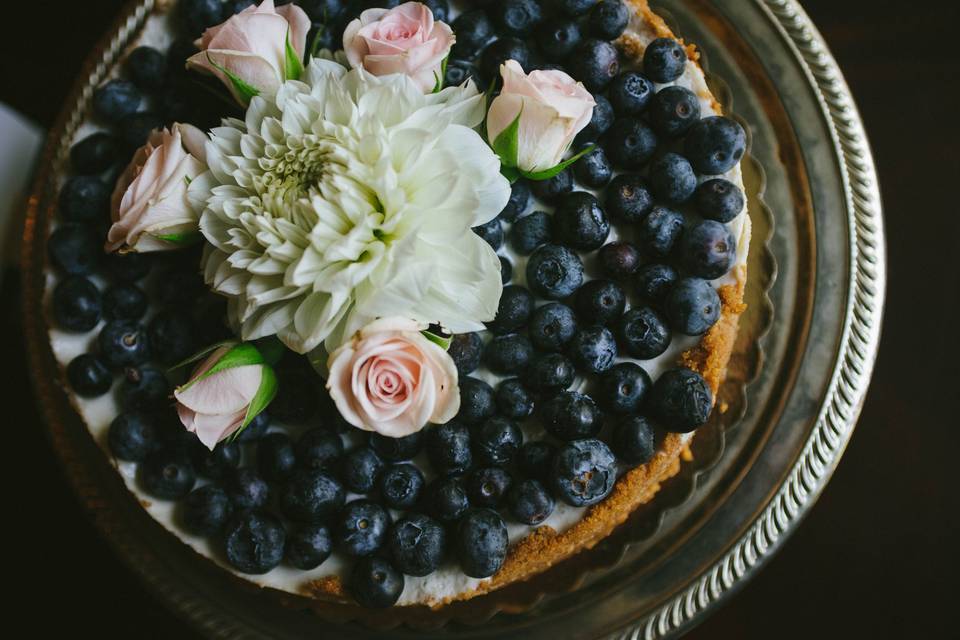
(877, 555)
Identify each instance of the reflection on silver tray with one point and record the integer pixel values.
(712, 527)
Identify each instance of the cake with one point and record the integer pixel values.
(401, 306)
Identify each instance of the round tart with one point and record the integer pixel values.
(659, 290)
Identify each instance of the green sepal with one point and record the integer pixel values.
(510, 173)
(180, 239)
(203, 353)
(241, 355)
(271, 349)
(439, 78)
(245, 90)
(441, 341)
(266, 392)
(507, 143)
(546, 174)
(293, 66)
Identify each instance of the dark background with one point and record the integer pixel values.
(875, 558)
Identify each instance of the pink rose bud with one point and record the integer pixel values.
(391, 379)
(216, 403)
(404, 40)
(150, 207)
(256, 50)
(555, 108)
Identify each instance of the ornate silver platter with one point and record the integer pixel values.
(795, 387)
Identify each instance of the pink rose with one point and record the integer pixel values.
(401, 40)
(215, 405)
(390, 379)
(249, 52)
(555, 108)
(150, 208)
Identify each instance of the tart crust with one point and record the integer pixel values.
(544, 547)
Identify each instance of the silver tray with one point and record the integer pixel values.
(796, 383)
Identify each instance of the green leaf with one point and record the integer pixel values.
(315, 45)
(443, 74)
(546, 174)
(510, 173)
(239, 84)
(442, 341)
(180, 239)
(507, 143)
(293, 66)
(264, 396)
(241, 355)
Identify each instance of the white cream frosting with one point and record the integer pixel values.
(448, 581)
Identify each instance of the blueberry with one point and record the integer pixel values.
(513, 311)
(144, 388)
(554, 272)
(630, 143)
(491, 232)
(275, 456)
(84, 198)
(220, 463)
(654, 281)
(513, 400)
(487, 486)
(506, 270)
(708, 250)
(296, 400)
(89, 376)
(123, 344)
(571, 415)
(75, 249)
(254, 542)
(322, 10)
(664, 60)
(167, 475)
(672, 178)
(448, 448)
(466, 350)
(124, 301)
(198, 15)
(476, 400)
(374, 583)
(76, 304)
(680, 400)
(94, 154)
(417, 544)
(135, 128)
(517, 204)
(172, 336)
(628, 198)
(502, 50)
(659, 231)
(132, 437)
(595, 63)
(552, 326)
(673, 111)
(116, 99)
(205, 510)
(177, 54)
(508, 354)
(633, 440)
(600, 302)
(573, 8)
(552, 189)
(692, 306)
(608, 19)
(719, 200)
(361, 528)
(593, 169)
(255, 429)
(558, 38)
(535, 459)
(319, 448)
(308, 546)
(517, 17)
(529, 232)
(529, 502)
(128, 267)
(401, 485)
(180, 286)
(584, 472)
(580, 223)
(619, 259)
(398, 449)
(311, 495)
(600, 121)
(593, 349)
(460, 71)
(474, 30)
(623, 388)
(446, 499)
(715, 144)
(630, 93)
(644, 333)
(360, 469)
(439, 8)
(247, 490)
(146, 67)
(549, 373)
(481, 543)
(496, 441)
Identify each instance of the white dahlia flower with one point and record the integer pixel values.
(348, 197)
